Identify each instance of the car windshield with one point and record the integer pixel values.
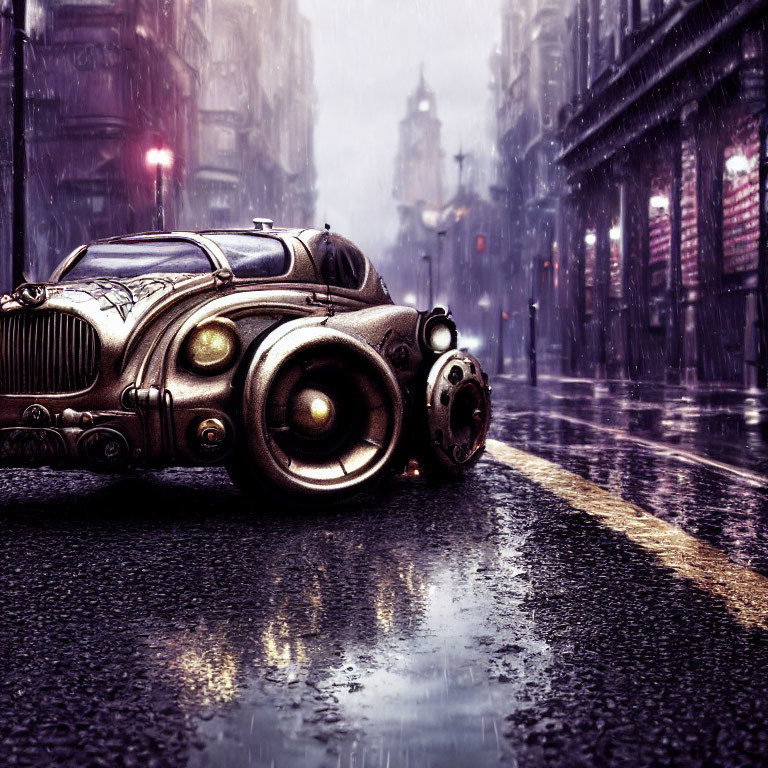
(252, 255)
(131, 259)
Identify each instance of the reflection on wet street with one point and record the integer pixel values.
(583, 600)
(722, 425)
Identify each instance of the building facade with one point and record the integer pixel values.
(531, 91)
(107, 81)
(664, 220)
(476, 274)
(227, 87)
(256, 155)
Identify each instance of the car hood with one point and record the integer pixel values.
(127, 299)
(122, 301)
(119, 309)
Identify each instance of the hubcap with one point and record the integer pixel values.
(312, 412)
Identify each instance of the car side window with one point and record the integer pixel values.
(134, 258)
(252, 255)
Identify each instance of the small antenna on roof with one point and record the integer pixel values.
(329, 266)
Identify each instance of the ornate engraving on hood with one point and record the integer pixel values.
(120, 296)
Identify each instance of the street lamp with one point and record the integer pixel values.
(159, 158)
(18, 14)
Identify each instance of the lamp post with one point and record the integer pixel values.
(441, 233)
(159, 158)
(532, 307)
(430, 287)
(19, 217)
(460, 158)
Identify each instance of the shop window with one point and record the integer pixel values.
(659, 247)
(741, 198)
(617, 268)
(689, 213)
(659, 236)
(590, 265)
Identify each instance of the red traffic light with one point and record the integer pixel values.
(480, 244)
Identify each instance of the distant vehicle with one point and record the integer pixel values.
(276, 352)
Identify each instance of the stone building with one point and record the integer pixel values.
(664, 218)
(230, 93)
(531, 91)
(107, 81)
(256, 155)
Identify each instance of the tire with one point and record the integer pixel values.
(291, 451)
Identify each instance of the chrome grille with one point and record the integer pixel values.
(45, 352)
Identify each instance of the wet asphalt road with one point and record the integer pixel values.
(161, 619)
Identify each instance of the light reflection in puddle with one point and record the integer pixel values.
(210, 676)
(427, 692)
(428, 701)
(207, 668)
(281, 647)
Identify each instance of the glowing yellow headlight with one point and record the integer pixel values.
(213, 346)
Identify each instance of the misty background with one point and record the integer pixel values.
(302, 110)
(368, 55)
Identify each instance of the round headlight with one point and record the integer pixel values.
(213, 346)
(440, 337)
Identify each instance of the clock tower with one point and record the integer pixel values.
(419, 163)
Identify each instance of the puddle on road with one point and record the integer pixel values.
(432, 688)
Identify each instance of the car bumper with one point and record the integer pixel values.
(148, 431)
(99, 440)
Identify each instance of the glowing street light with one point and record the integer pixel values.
(159, 158)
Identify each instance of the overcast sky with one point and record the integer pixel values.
(367, 59)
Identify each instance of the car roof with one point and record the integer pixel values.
(307, 261)
(164, 234)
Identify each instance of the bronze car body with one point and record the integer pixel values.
(294, 368)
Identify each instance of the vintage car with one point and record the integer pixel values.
(276, 352)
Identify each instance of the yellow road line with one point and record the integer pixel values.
(744, 591)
